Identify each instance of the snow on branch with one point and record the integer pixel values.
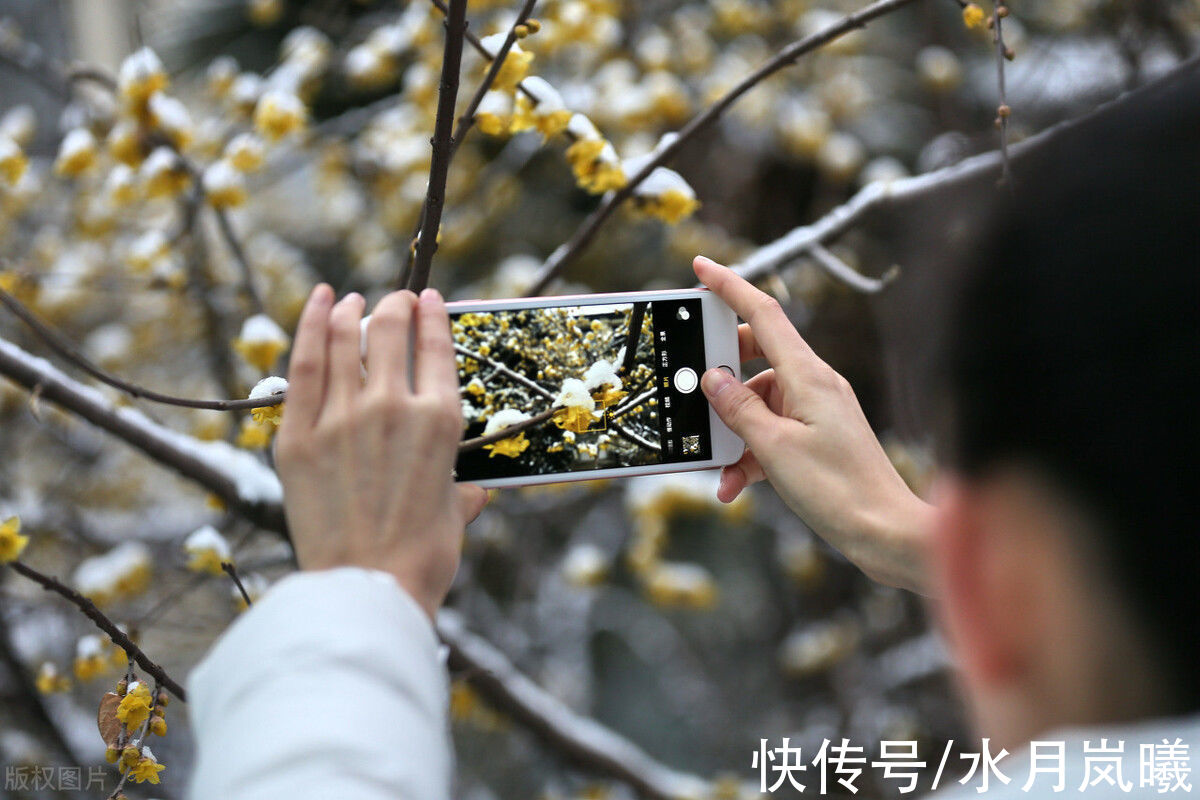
(582, 739)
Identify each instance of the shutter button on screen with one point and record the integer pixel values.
(686, 381)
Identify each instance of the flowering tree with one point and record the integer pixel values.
(162, 251)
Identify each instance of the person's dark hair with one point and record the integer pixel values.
(1072, 348)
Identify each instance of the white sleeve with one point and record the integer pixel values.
(331, 685)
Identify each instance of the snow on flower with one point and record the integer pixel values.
(513, 446)
(278, 114)
(594, 161)
(261, 341)
(12, 160)
(207, 549)
(76, 154)
(585, 565)
(268, 387)
(146, 250)
(146, 768)
(91, 657)
(171, 117)
(245, 152)
(547, 113)
(495, 113)
(12, 543)
(50, 681)
(124, 570)
(516, 62)
(678, 585)
(19, 123)
(140, 76)
(163, 174)
(223, 185)
(578, 407)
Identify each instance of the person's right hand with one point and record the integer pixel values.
(806, 433)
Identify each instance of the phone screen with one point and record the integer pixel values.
(586, 386)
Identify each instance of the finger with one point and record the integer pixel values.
(737, 476)
(345, 365)
(387, 342)
(748, 348)
(306, 367)
(471, 500)
(435, 371)
(738, 406)
(774, 333)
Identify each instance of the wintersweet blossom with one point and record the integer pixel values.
(171, 117)
(12, 543)
(224, 186)
(207, 549)
(253, 436)
(140, 76)
(12, 160)
(221, 73)
(50, 681)
(547, 114)
(266, 388)
(163, 174)
(593, 160)
(972, 15)
(513, 446)
(91, 658)
(146, 768)
(585, 565)
(495, 113)
(19, 123)
(124, 570)
(147, 250)
(516, 62)
(601, 379)
(578, 408)
(246, 152)
(663, 194)
(677, 585)
(278, 114)
(77, 153)
(261, 341)
(134, 707)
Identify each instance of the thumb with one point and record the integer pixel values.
(471, 499)
(739, 407)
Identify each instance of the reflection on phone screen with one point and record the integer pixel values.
(580, 387)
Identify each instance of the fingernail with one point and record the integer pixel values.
(321, 294)
(353, 297)
(430, 295)
(706, 261)
(715, 381)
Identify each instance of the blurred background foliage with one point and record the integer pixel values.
(695, 630)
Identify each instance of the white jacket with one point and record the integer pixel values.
(332, 685)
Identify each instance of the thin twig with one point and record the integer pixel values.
(231, 571)
(467, 445)
(1003, 111)
(584, 234)
(118, 637)
(239, 255)
(63, 346)
(435, 195)
(502, 369)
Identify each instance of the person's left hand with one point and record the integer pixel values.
(366, 466)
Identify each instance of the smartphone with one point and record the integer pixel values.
(591, 386)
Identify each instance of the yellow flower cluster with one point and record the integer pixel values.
(121, 572)
(207, 549)
(95, 657)
(50, 681)
(593, 160)
(261, 342)
(12, 543)
(135, 706)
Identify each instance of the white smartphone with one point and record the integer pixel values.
(591, 386)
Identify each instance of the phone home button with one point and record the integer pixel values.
(686, 380)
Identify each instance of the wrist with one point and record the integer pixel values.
(891, 543)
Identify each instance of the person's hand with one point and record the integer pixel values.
(807, 435)
(366, 466)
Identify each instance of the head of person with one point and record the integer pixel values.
(1067, 549)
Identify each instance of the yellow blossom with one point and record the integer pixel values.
(224, 186)
(50, 680)
(675, 585)
(125, 143)
(574, 419)
(77, 154)
(512, 447)
(146, 768)
(220, 75)
(268, 415)
(516, 62)
(972, 15)
(135, 706)
(12, 161)
(547, 115)
(252, 436)
(264, 13)
(495, 113)
(207, 549)
(245, 152)
(595, 165)
(278, 114)
(163, 174)
(141, 75)
(261, 341)
(90, 658)
(12, 543)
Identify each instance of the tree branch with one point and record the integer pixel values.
(583, 235)
(443, 144)
(118, 637)
(467, 445)
(513, 374)
(63, 346)
(583, 740)
(1002, 111)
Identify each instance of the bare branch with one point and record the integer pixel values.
(583, 740)
(1003, 111)
(118, 636)
(583, 235)
(468, 445)
(63, 346)
(509, 373)
(633, 336)
(847, 275)
(239, 255)
(435, 196)
(231, 571)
